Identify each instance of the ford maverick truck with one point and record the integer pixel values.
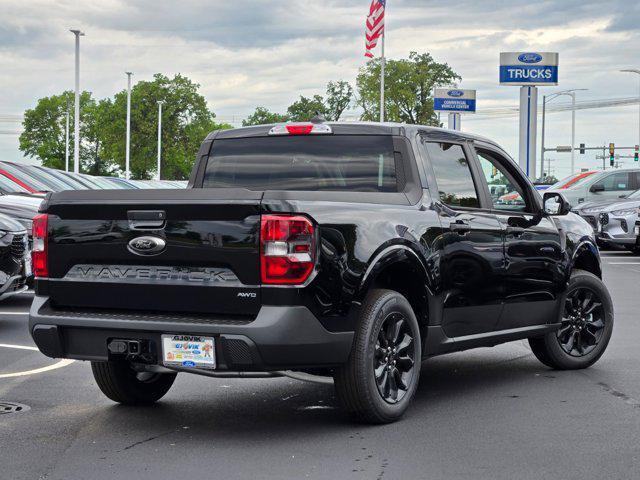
(351, 250)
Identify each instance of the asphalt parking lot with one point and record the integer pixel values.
(491, 413)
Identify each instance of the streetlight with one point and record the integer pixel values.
(127, 171)
(76, 119)
(66, 140)
(635, 70)
(160, 103)
(547, 98)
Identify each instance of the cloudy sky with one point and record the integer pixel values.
(253, 52)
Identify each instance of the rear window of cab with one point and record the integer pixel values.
(360, 163)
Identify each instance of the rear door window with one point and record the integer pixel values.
(361, 163)
(453, 174)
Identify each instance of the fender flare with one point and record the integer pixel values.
(586, 247)
(387, 256)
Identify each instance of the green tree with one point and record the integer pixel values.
(339, 95)
(262, 116)
(409, 85)
(43, 135)
(186, 121)
(304, 109)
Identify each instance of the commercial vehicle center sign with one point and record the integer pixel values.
(454, 100)
(528, 68)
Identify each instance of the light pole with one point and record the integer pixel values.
(66, 139)
(76, 111)
(547, 98)
(160, 103)
(127, 170)
(635, 70)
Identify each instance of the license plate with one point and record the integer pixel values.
(188, 351)
(638, 230)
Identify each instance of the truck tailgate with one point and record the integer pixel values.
(192, 250)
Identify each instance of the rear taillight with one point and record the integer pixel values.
(287, 249)
(39, 250)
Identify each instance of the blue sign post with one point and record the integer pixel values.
(528, 70)
(455, 101)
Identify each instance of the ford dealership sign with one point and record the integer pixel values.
(528, 68)
(454, 100)
(530, 58)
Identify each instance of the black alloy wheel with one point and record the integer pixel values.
(394, 358)
(583, 322)
(584, 329)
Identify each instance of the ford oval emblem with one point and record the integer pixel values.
(530, 57)
(147, 245)
(455, 93)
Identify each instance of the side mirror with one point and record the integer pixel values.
(597, 187)
(555, 204)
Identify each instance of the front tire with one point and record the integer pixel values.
(380, 378)
(122, 384)
(586, 327)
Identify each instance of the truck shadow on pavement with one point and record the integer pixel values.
(233, 410)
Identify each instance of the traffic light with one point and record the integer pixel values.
(612, 154)
(582, 150)
(635, 154)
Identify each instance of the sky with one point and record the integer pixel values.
(249, 53)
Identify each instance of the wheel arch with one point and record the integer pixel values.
(586, 257)
(400, 268)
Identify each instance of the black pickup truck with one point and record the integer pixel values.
(337, 249)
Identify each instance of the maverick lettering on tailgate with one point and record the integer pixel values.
(152, 274)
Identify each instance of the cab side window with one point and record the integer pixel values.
(616, 182)
(453, 174)
(505, 193)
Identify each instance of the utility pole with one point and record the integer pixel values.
(76, 118)
(160, 102)
(127, 169)
(66, 139)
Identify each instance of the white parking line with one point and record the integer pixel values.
(13, 313)
(59, 364)
(623, 263)
(62, 363)
(19, 347)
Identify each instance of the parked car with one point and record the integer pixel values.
(51, 182)
(572, 180)
(21, 208)
(66, 179)
(344, 249)
(614, 221)
(24, 179)
(8, 186)
(606, 185)
(15, 259)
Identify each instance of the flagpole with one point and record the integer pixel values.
(382, 65)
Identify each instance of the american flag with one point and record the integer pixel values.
(375, 25)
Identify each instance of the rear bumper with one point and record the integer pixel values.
(278, 338)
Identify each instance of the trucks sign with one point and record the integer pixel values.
(454, 100)
(528, 68)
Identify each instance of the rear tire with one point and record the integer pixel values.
(119, 382)
(380, 378)
(587, 324)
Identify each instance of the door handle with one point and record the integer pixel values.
(460, 226)
(515, 231)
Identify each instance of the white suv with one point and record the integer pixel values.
(606, 185)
